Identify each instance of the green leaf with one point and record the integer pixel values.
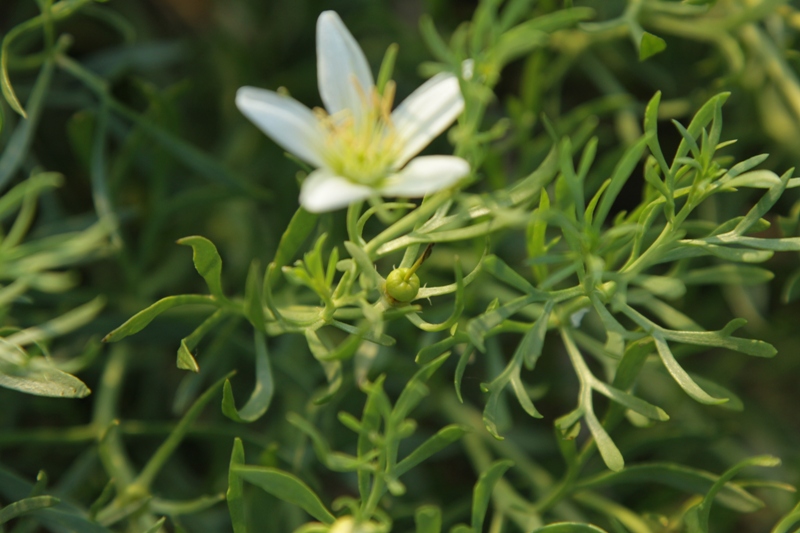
(478, 327)
(61, 517)
(651, 132)
(482, 492)
(333, 373)
(443, 438)
(723, 339)
(696, 248)
(170, 444)
(734, 403)
(186, 360)
(605, 445)
(633, 403)
(184, 507)
(428, 519)
(432, 351)
(415, 389)
(727, 275)
(662, 286)
(261, 397)
(681, 377)
(533, 340)
(791, 291)
(141, 319)
(16, 150)
(33, 186)
(207, 262)
(788, 521)
(691, 480)
(368, 272)
(69, 321)
(59, 11)
(286, 487)
(622, 171)
(763, 205)
(335, 461)
(99, 177)
(39, 377)
(569, 527)
(254, 297)
(387, 67)
(698, 523)
(700, 120)
(21, 507)
(499, 269)
(235, 493)
(155, 528)
(461, 367)
(757, 179)
(377, 404)
(650, 45)
(298, 230)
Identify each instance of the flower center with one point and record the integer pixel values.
(362, 148)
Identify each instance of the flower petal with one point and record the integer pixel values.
(425, 174)
(323, 191)
(287, 122)
(426, 113)
(343, 74)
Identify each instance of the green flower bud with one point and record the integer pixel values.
(401, 286)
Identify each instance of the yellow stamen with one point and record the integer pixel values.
(362, 148)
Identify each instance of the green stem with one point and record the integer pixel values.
(159, 458)
(429, 205)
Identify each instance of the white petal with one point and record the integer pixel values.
(343, 74)
(425, 175)
(288, 122)
(323, 191)
(426, 113)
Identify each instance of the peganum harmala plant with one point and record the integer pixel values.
(542, 265)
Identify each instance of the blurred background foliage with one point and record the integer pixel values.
(176, 158)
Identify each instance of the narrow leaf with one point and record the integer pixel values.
(443, 438)
(569, 527)
(207, 262)
(39, 377)
(261, 397)
(286, 487)
(681, 377)
(482, 492)
(141, 319)
(25, 506)
(235, 493)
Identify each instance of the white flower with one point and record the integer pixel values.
(358, 145)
